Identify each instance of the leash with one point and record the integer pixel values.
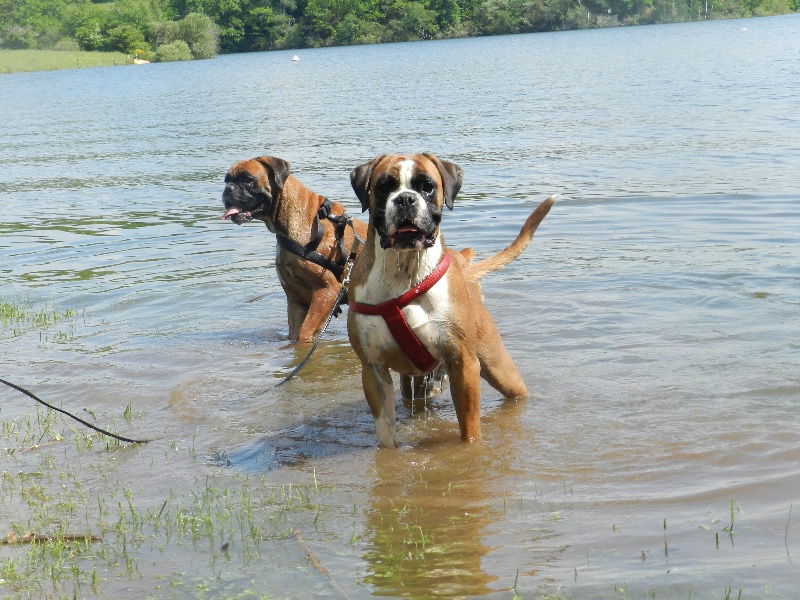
(336, 310)
(78, 419)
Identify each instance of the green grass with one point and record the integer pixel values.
(19, 315)
(15, 61)
(97, 530)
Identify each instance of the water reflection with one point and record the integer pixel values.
(432, 505)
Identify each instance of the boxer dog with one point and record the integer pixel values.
(314, 239)
(414, 304)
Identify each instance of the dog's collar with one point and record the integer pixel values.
(392, 314)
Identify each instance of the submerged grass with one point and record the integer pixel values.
(93, 531)
(99, 535)
(20, 315)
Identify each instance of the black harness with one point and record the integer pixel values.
(309, 251)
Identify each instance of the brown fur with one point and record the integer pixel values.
(311, 290)
(459, 332)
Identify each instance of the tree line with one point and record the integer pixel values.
(184, 29)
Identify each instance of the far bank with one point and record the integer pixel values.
(17, 61)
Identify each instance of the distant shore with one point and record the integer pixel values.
(20, 61)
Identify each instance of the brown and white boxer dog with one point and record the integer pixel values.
(305, 223)
(414, 304)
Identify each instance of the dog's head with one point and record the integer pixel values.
(252, 186)
(405, 196)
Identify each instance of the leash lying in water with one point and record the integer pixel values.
(357, 241)
(78, 419)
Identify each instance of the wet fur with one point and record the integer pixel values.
(265, 186)
(450, 319)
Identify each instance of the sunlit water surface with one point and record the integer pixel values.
(656, 316)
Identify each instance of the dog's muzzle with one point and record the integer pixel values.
(414, 229)
(237, 202)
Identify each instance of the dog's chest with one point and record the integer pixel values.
(425, 315)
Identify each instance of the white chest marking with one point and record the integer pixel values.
(394, 273)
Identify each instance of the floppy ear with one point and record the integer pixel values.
(452, 177)
(278, 166)
(359, 179)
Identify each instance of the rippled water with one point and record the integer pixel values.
(655, 316)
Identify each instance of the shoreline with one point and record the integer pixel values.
(34, 60)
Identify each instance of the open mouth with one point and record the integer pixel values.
(238, 216)
(408, 236)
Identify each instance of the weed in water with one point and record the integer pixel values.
(19, 315)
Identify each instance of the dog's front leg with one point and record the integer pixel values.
(465, 387)
(296, 312)
(378, 388)
(322, 301)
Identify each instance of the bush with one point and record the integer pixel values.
(90, 36)
(48, 37)
(125, 38)
(177, 50)
(163, 32)
(17, 37)
(66, 45)
(198, 31)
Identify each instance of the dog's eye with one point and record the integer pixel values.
(386, 186)
(426, 186)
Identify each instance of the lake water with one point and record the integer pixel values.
(655, 317)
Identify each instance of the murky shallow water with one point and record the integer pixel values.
(655, 318)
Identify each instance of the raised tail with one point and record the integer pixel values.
(477, 270)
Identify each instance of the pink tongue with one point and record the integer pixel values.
(230, 213)
(408, 229)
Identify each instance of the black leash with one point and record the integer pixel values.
(336, 310)
(78, 419)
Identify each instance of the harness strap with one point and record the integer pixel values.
(392, 314)
(309, 252)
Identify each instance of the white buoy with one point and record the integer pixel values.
(295, 58)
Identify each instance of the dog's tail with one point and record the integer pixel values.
(477, 270)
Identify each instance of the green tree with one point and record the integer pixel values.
(413, 22)
(230, 17)
(265, 28)
(125, 38)
(29, 23)
(163, 32)
(200, 33)
(86, 23)
(197, 31)
(18, 37)
(495, 17)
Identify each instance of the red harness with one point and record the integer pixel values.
(392, 313)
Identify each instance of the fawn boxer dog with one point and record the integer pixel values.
(415, 304)
(314, 236)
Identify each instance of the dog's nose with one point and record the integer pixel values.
(405, 200)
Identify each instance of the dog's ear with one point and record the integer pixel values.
(278, 166)
(452, 178)
(359, 179)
